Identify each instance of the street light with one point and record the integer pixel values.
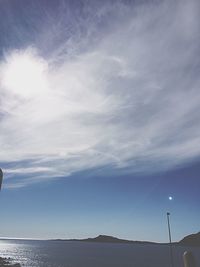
(170, 239)
(1, 177)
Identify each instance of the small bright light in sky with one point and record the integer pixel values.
(170, 198)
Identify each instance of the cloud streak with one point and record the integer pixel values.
(120, 91)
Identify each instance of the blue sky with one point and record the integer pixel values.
(99, 119)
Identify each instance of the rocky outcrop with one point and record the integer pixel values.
(6, 263)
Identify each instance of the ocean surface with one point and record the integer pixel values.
(86, 254)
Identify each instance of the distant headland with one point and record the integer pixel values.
(106, 239)
(190, 240)
(110, 239)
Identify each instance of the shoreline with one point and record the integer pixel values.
(6, 262)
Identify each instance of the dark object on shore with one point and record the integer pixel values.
(191, 240)
(6, 263)
(188, 259)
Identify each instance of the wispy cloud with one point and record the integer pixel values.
(120, 89)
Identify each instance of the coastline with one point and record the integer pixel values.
(5, 262)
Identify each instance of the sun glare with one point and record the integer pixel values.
(24, 74)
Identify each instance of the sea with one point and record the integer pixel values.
(32, 253)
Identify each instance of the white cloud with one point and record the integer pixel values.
(129, 100)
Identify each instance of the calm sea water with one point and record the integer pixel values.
(82, 254)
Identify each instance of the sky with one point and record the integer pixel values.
(99, 121)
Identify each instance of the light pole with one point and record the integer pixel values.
(170, 240)
(1, 177)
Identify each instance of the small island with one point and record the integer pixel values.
(112, 239)
(107, 239)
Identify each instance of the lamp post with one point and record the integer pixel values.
(170, 239)
(1, 177)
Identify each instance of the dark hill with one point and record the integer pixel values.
(106, 239)
(111, 239)
(191, 240)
